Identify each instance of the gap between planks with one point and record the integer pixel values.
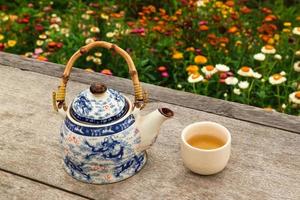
(46, 184)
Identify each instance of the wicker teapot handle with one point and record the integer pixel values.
(59, 95)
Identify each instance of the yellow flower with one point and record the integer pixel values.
(1, 37)
(286, 30)
(288, 24)
(200, 59)
(177, 55)
(11, 43)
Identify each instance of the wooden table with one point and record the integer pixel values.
(264, 164)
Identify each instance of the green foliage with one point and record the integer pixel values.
(155, 32)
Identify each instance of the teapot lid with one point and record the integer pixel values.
(99, 105)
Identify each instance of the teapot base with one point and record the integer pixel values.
(105, 174)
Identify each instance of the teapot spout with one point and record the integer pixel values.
(149, 125)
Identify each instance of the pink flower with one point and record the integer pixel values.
(165, 74)
(203, 22)
(138, 31)
(38, 51)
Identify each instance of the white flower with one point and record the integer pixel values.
(282, 73)
(43, 36)
(225, 94)
(98, 54)
(257, 75)
(89, 58)
(295, 97)
(297, 66)
(276, 79)
(95, 29)
(237, 91)
(245, 71)
(243, 84)
(89, 40)
(55, 27)
(259, 56)
(296, 30)
(85, 16)
(104, 16)
(39, 42)
(200, 3)
(97, 61)
(263, 80)
(268, 49)
(222, 68)
(283, 106)
(179, 86)
(278, 57)
(110, 34)
(231, 80)
(194, 78)
(209, 70)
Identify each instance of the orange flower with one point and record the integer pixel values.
(232, 29)
(245, 10)
(42, 58)
(270, 18)
(203, 28)
(106, 72)
(224, 40)
(177, 55)
(266, 10)
(229, 3)
(178, 12)
(200, 59)
(191, 49)
(117, 15)
(192, 69)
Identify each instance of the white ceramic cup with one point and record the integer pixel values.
(202, 161)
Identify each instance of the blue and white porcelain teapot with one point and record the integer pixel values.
(104, 138)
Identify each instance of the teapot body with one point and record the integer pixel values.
(101, 154)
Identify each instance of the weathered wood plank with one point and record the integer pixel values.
(265, 161)
(18, 188)
(189, 100)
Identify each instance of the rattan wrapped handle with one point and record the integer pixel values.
(59, 95)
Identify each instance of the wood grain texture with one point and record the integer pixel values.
(264, 163)
(17, 188)
(189, 100)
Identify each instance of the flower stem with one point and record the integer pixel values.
(278, 96)
(194, 88)
(249, 92)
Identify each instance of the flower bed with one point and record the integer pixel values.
(243, 51)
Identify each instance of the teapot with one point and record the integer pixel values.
(104, 137)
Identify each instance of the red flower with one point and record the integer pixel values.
(39, 27)
(1, 46)
(59, 45)
(162, 69)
